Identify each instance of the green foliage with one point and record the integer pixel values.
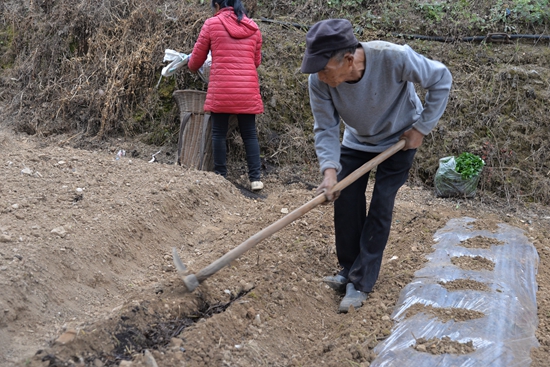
(335, 4)
(161, 135)
(6, 36)
(73, 46)
(158, 123)
(461, 15)
(521, 11)
(434, 11)
(458, 176)
(468, 165)
(530, 11)
(6, 40)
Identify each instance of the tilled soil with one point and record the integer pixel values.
(87, 276)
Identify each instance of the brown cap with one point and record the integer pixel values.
(323, 39)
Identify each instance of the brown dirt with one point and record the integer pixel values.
(443, 345)
(480, 242)
(87, 275)
(444, 314)
(462, 284)
(473, 263)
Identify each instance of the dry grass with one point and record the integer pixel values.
(91, 68)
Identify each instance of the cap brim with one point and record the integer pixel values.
(312, 64)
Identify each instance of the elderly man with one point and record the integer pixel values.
(370, 87)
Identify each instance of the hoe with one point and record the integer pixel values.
(192, 281)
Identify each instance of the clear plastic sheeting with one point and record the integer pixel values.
(505, 334)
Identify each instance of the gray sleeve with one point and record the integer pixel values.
(436, 79)
(326, 127)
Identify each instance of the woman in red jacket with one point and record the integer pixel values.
(233, 88)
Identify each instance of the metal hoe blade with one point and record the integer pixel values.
(180, 266)
(191, 282)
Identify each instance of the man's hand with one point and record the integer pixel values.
(328, 183)
(413, 139)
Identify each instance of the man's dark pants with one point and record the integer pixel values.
(361, 238)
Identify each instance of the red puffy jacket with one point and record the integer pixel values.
(233, 85)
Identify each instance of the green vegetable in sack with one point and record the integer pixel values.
(468, 165)
(458, 176)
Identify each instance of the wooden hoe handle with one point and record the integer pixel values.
(192, 281)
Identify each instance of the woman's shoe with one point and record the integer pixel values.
(256, 185)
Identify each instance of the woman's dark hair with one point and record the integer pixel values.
(238, 7)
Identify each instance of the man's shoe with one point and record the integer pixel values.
(256, 185)
(336, 282)
(353, 298)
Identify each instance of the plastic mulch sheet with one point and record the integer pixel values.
(504, 333)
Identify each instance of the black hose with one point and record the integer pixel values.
(286, 24)
(491, 37)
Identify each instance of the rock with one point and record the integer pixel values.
(421, 348)
(67, 337)
(126, 364)
(4, 238)
(60, 231)
(176, 342)
(250, 313)
(158, 288)
(257, 320)
(227, 356)
(6, 314)
(149, 359)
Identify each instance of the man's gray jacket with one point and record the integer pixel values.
(382, 105)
